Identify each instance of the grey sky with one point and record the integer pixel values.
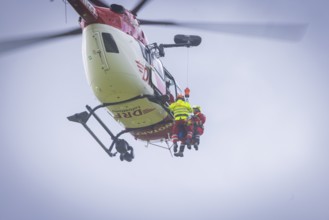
(264, 151)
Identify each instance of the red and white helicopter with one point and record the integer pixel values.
(125, 73)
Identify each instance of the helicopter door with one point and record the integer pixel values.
(157, 75)
(157, 79)
(100, 50)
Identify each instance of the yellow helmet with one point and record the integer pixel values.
(197, 107)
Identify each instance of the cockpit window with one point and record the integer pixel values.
(145, 52)
(157, 65)
(109, 43)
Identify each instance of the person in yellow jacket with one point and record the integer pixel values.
(181, 110)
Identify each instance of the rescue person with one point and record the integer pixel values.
(197, 121)
(181, 110)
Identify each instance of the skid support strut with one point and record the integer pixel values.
(122, 147)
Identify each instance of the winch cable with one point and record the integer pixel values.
(187, 90)
(187, 66)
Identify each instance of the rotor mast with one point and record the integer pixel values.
(85, 9)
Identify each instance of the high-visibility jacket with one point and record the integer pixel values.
(181, 109)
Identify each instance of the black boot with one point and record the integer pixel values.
(196, 144)
(175, 147)
(181, 150)
(188, 144)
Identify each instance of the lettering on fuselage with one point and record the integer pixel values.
(143, 70)
(131, 112)
(155, 130)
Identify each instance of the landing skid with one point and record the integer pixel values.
(122, 147)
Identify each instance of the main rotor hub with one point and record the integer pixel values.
(117, 8)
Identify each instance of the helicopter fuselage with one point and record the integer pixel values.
(117, 71)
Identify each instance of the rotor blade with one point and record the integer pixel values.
(281, 31)
(100, 3)
(138, 6)
(12, 44)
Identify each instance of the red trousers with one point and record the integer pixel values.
(198, 130)
(176, 129)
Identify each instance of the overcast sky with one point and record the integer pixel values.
(265, 148)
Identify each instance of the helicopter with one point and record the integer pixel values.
(125, 71)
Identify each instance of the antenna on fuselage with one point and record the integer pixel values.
(65, 6)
